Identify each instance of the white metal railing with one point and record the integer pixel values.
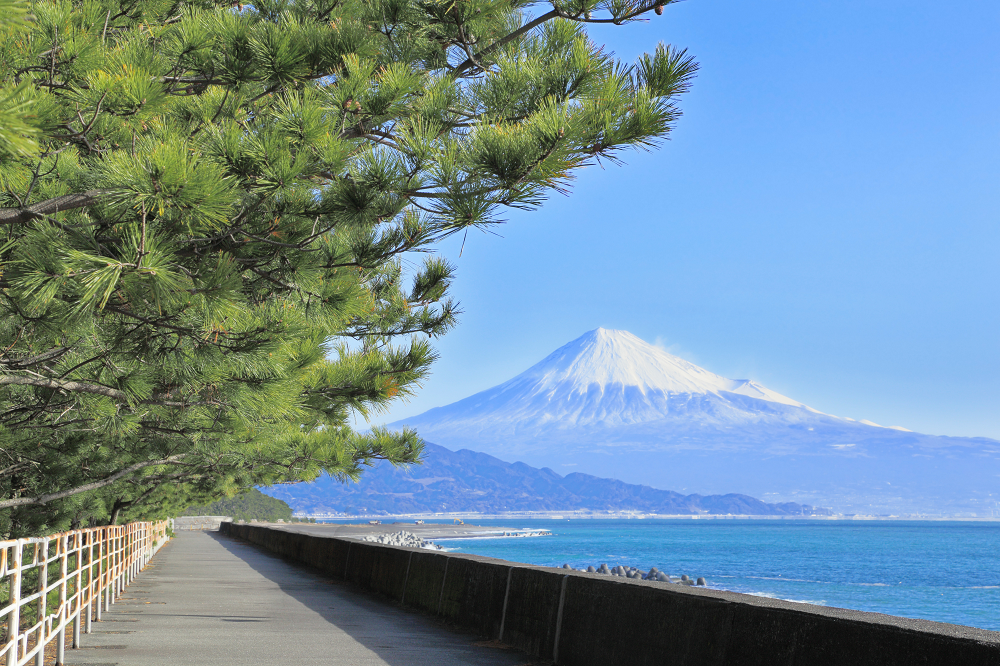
(40, 604)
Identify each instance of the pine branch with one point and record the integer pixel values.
(51, 206)
(21, 363)
(107, 481)
(14, 469)
(97, 389)
(500, 43)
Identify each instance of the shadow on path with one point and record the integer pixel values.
(397, 636)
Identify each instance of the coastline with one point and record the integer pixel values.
(330, 518)
(427, 531)
(877, 565)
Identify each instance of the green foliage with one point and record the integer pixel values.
(211, 217)
(250, 505)
(18, 132)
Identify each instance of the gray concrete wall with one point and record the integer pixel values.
(205, 523)
(581, 619)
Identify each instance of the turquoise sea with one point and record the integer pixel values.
(943, 571)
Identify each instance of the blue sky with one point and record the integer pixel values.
(824, 219)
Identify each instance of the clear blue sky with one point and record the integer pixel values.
(824, 219)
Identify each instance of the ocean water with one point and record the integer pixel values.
(942, 571)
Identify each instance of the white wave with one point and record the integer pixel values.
(769, 595)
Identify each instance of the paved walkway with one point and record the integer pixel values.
(208, 599)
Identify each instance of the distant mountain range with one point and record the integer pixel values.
(609, 404)
(466, 481)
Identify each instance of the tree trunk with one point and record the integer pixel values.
(116, 511)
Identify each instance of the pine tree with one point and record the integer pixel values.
(249, 505)
(211, 214)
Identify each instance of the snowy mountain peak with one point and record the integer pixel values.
(608, 403)
(606, 358)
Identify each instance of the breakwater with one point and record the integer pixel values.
(634, 573)
(587, 619)
(401, 538)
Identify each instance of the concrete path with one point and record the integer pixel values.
(208, 599)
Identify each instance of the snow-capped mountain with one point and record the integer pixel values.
(610, 404)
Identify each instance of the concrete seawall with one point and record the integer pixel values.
(203, 523)
(581, 619)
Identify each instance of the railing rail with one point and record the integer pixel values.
(66, 580)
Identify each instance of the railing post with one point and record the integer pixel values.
(14, 617)
(127, 580)
(78, 589)
(43, 599)
(99, 592)
(112, 558)
(120, 588)
(109, 566)
(90, 578)
(122, 560)
(126, 563)
(113, 567)
(63, 542)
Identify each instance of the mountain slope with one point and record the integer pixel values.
(609, 404)
(451, 481)
(605, 378)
